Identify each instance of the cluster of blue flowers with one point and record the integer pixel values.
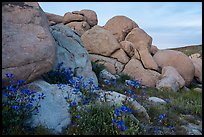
(17, 102)
(119, 113)
(133, 83)
(59, 75)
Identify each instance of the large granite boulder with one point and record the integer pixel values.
(28, 48)
(181, 62)
(120, 26)
(100, 41)
(135, 69)
(54, 111)
(170, 79)
(71, 51)
(142, 42)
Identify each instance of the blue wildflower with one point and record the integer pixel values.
(114, 121)
(15, 107)
(107, 82)
(73, 104)
(78, 116)
(121, 122)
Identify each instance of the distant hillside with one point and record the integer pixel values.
(188, 50)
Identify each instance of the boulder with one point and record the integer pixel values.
(120, 26)
(104, 74)
(136, 55)
(135, 69)
(139, 38)
(100, 41)
(195, 55)
(54, 18)
(71, 51)
(79, 27)
(28, 48)
(170, 71)
(112, 65)
(153, 49)
(197, 62)
(121, 56)
(127, 47)
(142, 42)
(72, 17)
(91, 17)
(54, 111)
(198, 90)
(147, 60)
(181, 62)
(157, 100)
(117, 99)
(168, 84)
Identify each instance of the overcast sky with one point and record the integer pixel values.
(170, 24)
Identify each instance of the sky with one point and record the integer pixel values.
(170, 24)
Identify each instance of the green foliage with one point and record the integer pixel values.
(59, 75)
(124, 77)
(97, 68)
(98, 121)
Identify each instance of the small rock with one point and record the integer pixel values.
(198, 90)
(157, 100)
(186, 89)
(104, 74)
(193, 129)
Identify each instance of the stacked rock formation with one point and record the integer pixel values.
(123, 48)
(126, 48)
(80, 21)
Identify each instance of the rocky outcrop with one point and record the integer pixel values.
(99, 41)
(28, 48)
(170, 79)
(80, 21)
(71, 51)
(178, 60)
(120, 26)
